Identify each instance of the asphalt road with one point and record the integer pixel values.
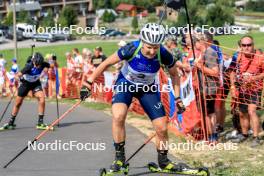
(85, 126)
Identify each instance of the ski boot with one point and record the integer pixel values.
(180, 168)
(117, 168)
(8, 126)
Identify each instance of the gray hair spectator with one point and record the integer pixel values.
(247, 79)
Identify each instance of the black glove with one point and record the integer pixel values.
(180, 106)
(85, 92)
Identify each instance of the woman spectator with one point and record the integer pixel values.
(52, 60)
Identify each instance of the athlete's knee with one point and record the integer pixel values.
(41, 100)
(119, 118)
(18, 104)
(162, 130)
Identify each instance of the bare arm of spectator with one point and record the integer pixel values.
(184, 65)
(232, 83)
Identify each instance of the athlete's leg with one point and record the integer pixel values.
(22, 92)
(121, 102)
(41, 101)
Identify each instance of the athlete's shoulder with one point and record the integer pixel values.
(166, 57)
(28, 66)
(46, 65)
(127, 51)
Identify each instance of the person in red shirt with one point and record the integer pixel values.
(247, 79)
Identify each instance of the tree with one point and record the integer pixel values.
(22, 16)
(135, 23)
(48, 21)
(68, 16)
(255, 6)
(8, 20)
(99, 4)
(108, 17)
(218, 15)
(194, 13)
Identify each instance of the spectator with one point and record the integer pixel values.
(247, 79)
(69, 75)
(88, 67)
(181, 61)
(219, 103)
(2, 75)
(13, 83)
(209, 73)
(51, 58)
(78, 71)
(98, 56)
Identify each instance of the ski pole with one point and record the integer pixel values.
(32, 49)
(3, 114)
(44, 132)
(145, 143)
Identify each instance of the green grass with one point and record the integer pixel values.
(230, 41)
(252, 21)
(249, 13)
(60, 50)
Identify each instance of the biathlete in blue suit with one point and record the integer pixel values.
(142, 61)
(29, 81)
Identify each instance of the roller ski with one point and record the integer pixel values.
(7, 126)
(117, 168)
(179, 169)
(43, 126)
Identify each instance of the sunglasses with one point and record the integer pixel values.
(247, 45)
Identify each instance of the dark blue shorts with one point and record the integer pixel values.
(149, 97)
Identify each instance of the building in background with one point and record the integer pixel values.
(40, 7)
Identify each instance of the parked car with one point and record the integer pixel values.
(10, 34)
(26, 29)
(115, 34)
(2, 37)
(45, 37)
(107, 31)
(4, 29)
(62, 35)
(239, 30)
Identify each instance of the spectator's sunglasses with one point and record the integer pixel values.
(247, 45)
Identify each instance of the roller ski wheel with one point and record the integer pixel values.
(44, 126)
(123, 171)
(183, 170)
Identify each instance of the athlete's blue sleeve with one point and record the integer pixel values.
(233, 64)
(127, 51)
(27, 68)
(166, 57)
